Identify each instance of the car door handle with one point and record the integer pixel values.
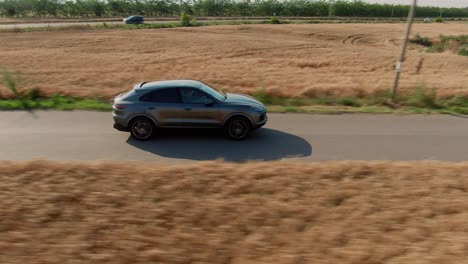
(188, 109)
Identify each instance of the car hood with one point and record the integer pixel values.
(242, 99)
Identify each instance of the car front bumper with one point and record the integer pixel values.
(262, 121)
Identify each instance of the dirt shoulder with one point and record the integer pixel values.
(338, 212)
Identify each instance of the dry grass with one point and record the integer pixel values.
(339, 212)
(287, 60)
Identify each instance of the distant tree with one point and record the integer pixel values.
(83, 8)
(96, 7)
(9, 8)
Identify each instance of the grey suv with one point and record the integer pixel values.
(185, 103)
(134, 20)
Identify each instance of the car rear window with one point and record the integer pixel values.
(169, 95)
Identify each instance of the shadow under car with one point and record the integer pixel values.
(210, 144)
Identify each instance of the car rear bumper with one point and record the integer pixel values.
(120, 127)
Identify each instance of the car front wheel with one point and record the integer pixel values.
(237, 128)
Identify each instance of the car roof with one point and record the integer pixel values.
(169, 83)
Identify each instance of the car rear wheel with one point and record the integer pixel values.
(142, 128)
(237, 128)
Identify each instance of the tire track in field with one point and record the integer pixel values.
(351, 39)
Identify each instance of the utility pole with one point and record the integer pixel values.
(403, 49)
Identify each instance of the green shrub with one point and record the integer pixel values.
(380, 97)
(423, 41)
(461, 39)
(33, 94)
(292, 109)
(263, 97)
(185, 20)
(439, 20)
(325, 100)
(463, 52)
(296, 102)
(457, 101)
(274, 20)
(11, 82)
(457, 44)
(436, 48)
(460, 110)
(424, 98)
(349, 101)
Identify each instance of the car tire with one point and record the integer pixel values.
(142, 128)
(237, 128)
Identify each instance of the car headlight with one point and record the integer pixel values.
(257, 109)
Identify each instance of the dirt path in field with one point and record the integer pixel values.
(293, 60)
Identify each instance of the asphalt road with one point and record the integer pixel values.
(62, 24)
(83, 135)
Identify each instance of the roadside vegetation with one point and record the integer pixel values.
(456, 44)
(26, 99)
(186, 20)
(56, 102)
(421, 100)
(170, 8)
(439, 20)
(255, 212)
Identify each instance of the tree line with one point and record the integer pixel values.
(106, 8)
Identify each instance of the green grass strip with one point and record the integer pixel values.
(56, 102)
(416, 104)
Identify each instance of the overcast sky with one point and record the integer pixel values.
(442, 3)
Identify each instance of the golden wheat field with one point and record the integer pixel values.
(289, 60)
(336, 212)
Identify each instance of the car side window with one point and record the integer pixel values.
(194, 96)
(146, 97)
(168, 95)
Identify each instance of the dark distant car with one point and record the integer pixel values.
(134, 20)
(186, 103)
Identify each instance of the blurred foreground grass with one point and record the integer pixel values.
(216, 212)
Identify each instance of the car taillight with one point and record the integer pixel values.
(119, 106)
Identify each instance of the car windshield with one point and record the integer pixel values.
(219, 95)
